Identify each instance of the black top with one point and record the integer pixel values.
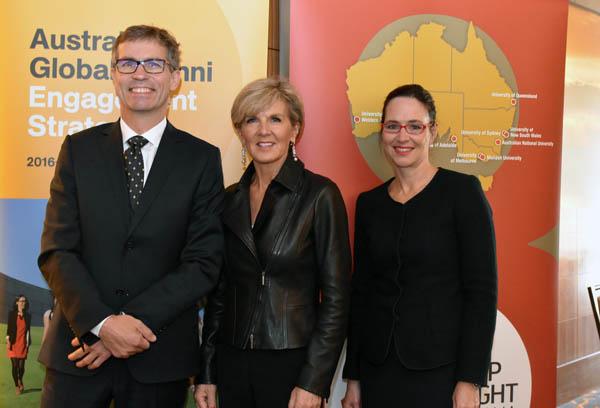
(286, 281)
(425, 277)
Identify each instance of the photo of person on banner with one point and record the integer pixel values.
(424, 289)
(275, 326)
(18, 340)
(132, 239)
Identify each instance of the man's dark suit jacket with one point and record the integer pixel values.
(101, 258)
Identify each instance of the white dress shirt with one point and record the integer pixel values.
(153, 136)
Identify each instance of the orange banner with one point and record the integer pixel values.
(497, 76)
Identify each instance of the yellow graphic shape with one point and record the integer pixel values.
(368, 80)
(476, 77)
(547, 242)
(433, 58)
(449, 119)
(486, 182)
(462, 83)
(491, 123)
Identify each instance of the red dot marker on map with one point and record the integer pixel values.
(513, 102)
(453, 138)
(498, 142)
(505, 134)
(357, 119)
(482, 157)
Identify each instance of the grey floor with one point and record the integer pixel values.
(589, 400)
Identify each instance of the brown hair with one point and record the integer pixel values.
(147, 32)
(415, 91)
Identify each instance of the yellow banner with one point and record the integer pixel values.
(56, 76)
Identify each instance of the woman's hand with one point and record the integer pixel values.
(466, 395)
(206, 395)
(352, 397)
(303, 399)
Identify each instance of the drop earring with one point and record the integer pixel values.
(244, 157)
(294, 155)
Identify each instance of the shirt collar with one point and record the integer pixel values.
(153, 135)
(289, 175)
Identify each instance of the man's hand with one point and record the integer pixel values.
(125, 336)
(206, 396)
(466, 395)
(352, 397)
(91, 357)
(303, 399)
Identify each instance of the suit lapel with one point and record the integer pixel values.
(164, 161)
(111, 146)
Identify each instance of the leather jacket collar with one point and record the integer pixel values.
(289, 176)
(236, 214)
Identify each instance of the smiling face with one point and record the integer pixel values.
(21, 303)
(144, 96)
(402, 149)
(267, 135)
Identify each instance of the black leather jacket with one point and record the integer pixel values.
(285, 282)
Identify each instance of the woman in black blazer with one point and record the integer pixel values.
(424, 289)
(276, 324)
(18, 339)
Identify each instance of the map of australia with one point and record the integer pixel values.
(475, 103)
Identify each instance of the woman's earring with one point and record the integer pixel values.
(294, 155)
(244, 157)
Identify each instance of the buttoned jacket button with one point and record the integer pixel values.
(121, 292)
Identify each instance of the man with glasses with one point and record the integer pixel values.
(131, 241)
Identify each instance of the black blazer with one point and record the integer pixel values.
(286, 282)
(11, 328)
(425, 278)
(99, 258)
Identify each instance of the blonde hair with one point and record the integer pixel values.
(258, 95)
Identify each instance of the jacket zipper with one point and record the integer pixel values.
(263, 277)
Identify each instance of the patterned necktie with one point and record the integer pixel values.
(134, 169)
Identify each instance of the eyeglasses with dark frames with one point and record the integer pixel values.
(413, 127)
(151, 66)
